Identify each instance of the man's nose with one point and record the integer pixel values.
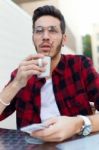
(46, 35)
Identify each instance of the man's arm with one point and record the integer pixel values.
(95, 122)
(63, 127)
(26, 69)
(8, 94)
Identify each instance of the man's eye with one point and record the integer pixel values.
(39, 31)
(53, 30)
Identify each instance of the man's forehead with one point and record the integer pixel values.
(47, 21)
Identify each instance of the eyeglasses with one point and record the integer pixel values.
(52, 30)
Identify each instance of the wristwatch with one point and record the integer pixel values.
(87, 126)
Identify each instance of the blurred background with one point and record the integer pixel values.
(82, 19)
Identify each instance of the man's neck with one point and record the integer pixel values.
(54, 63)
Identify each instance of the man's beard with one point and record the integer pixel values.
(57, 50)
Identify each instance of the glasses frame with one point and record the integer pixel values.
(52, 30)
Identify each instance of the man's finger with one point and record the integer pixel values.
(35, 56)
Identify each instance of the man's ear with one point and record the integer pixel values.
(64, 40)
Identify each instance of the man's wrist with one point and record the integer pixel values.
(16, 85)
(80, 123)
(86, 128)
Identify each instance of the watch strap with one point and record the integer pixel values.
(86, 127)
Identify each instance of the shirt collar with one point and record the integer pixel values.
(61, 66)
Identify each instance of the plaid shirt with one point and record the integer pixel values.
(75, 84)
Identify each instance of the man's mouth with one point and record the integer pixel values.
(45, 47)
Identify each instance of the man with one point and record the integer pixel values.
(61, 100)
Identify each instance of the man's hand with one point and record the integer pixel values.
(60, 128)
(27, 68)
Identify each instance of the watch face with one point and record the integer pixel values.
(87, 129)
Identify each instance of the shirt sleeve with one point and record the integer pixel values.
(8, 110)
(91, 80)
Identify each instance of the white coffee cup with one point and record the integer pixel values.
(41, 61)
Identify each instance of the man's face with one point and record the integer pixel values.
(47, 36)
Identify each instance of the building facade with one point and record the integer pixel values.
(95, 45)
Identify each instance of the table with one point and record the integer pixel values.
(15, 140)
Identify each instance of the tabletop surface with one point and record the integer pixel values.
(15, 140)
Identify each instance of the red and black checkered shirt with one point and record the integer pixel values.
(75, 84)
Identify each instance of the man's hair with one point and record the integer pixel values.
(51, 11)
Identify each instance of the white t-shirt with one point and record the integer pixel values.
(49, 107)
